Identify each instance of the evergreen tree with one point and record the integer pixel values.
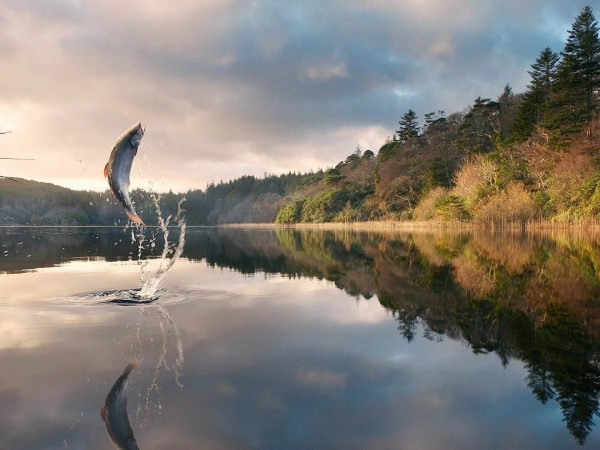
(543, 72)
(507, 110)
(480, 126)
(432, 119)
(529, 114)
(409, 126)
(429, 119)
(507, 98)
(573, 100)
(581, 58)
(436, 125)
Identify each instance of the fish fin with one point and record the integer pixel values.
(134, 217)
(106, 171)
(102, 410)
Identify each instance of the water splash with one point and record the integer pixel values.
(170, 254)
(157, 347)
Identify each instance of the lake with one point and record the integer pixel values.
(311, 339)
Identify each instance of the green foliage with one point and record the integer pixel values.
(529, 114)
(480, 126)
(591, 194)
(562, 119)
(543, 203)
(509, 168)
(409, 127)
(34, 203)
(387, 151)
(452, 207)
(332, 176)
(29, 202)
(437, 173)
(290, 213)
(573, 101)
(570, 202)
(325, 206)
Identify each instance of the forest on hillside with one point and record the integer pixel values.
(514, 159)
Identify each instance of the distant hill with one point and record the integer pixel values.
(246, 199)
(36, 203)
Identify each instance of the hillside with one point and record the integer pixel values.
(31, 202)
(247, 199)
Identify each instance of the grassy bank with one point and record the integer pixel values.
(588, 225)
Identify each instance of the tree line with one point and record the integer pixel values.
(245, 199)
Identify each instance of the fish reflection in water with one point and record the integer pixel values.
(149, 346)
(114, 413)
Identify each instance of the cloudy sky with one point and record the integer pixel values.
(229, 87)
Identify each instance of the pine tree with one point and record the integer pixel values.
(543, 72)
(572, 101)
(529, 114)
(409, 126)
(507, 98)
(507, 102)
(581, 58)
(429, 119)
(433, 118)
(480, 126)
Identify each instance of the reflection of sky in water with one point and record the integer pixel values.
(269, 363)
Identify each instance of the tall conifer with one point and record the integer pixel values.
(409, 126)
(543, 73)
(573, 99)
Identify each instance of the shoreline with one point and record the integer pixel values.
(427, 226)
(375, 226)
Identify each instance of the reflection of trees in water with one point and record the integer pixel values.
(563, 364)
(498, 309)
(532, 298)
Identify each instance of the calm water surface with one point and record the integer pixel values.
(277, 339)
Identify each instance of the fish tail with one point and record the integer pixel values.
(131, 366)
(134, 217)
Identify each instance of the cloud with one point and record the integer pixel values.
(326, 71)
(321, 378)
(224, 85)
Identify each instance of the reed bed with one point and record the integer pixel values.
(587, 225)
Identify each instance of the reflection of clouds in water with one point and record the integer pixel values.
(69, 279)
(33, 324)
(252, 290)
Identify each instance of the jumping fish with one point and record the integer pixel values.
(114, 413)
(119, 165)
